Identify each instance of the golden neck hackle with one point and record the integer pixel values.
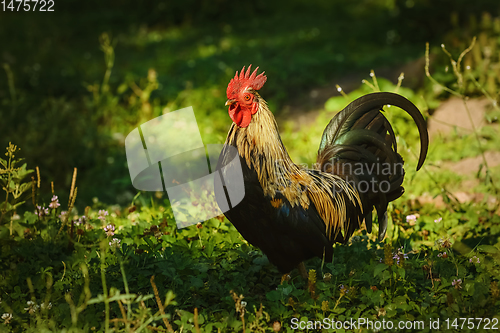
(260, 145)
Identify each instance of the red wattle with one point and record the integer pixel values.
(239, 116)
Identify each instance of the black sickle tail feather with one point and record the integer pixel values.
(360, 146)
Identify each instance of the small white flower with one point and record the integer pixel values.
(109, 230)
(7, 317)
(474, 260)
(457, 284)
(42, 211)
(48, 307)
(411, 218)
(54, 202)
(115, 242)
(32, 307)
(102, 215)
(81, 220)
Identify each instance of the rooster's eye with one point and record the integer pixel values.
(247, 97)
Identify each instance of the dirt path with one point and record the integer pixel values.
(306, 108)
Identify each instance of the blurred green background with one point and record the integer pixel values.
(76, 81)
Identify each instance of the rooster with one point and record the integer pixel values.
(293, 213)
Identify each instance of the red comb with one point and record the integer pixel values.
(245, 80)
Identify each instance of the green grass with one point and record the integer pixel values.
(198, 267)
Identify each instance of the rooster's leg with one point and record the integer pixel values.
(303, 271)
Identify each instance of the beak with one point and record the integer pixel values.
(230, 102)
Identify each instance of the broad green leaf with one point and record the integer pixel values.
(488, 249)
(379, 268)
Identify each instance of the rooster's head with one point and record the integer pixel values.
(242, 97)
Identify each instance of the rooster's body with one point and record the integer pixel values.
(292, 213)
